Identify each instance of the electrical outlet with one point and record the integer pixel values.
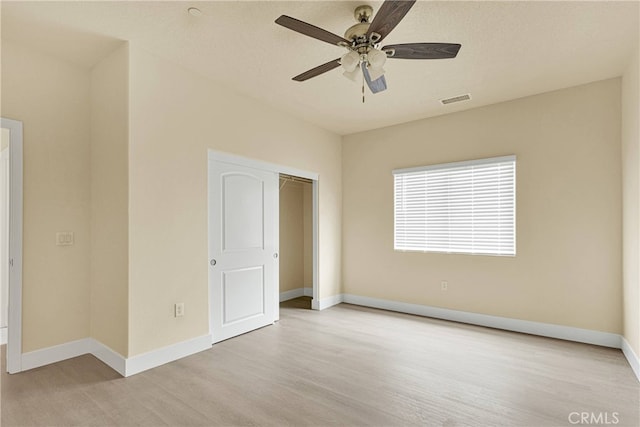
(179, 309)
(444, 285)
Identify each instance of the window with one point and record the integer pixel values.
(463, 207)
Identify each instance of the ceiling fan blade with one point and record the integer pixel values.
(310, 30)
(375, 86)
(422, 50)
(318, 70)
(389, 15)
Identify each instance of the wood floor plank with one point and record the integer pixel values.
(347, 365)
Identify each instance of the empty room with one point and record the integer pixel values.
(382, 213)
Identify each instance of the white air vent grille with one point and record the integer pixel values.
(458, 98)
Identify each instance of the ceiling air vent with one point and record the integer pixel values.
(458, 98)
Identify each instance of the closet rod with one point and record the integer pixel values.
(295, 178)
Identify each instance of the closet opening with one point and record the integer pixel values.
(296, 242)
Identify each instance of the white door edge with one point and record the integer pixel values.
(14, 339)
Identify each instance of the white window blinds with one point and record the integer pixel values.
(464, 207)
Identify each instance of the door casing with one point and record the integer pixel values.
(14, 338)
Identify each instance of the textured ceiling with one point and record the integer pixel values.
(509, 49)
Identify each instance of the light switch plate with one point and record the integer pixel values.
(64, 238)
(179, 309)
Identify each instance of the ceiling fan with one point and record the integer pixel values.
(362, 42)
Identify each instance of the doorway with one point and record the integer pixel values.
(11, 233)
(4, 234)
(296, 241)
(239, 187)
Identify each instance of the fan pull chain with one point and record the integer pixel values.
(363, 88)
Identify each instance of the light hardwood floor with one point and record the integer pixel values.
(347, 365)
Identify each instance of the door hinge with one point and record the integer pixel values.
(11, 262)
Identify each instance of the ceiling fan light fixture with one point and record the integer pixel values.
(350, 61)
(352, 75)
(376, 58)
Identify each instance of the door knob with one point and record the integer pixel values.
(213, 262)
(275, 255)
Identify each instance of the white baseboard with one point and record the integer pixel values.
(631, 356)
(154, 358)
(57, 353)
(568, 333)
(296, 293)
(114, 360)
(330, 301)
(291, 294)
(124, 366)
(136, 364)
(3, 335)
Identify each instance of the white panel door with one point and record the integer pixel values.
(243, 245)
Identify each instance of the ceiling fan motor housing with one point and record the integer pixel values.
(356, 31)
(362, 15)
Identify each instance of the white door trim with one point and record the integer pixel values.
(315, 220)
(4, 242)
(273, 167)
(14, 340)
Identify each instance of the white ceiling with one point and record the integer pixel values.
(509, 49)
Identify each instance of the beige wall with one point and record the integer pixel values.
(109, 200)
(175, 116)
(631, 203)
(52, 99)
(291, 261)
(148, 217)
(568, 265)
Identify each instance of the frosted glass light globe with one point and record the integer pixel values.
(350, 61)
